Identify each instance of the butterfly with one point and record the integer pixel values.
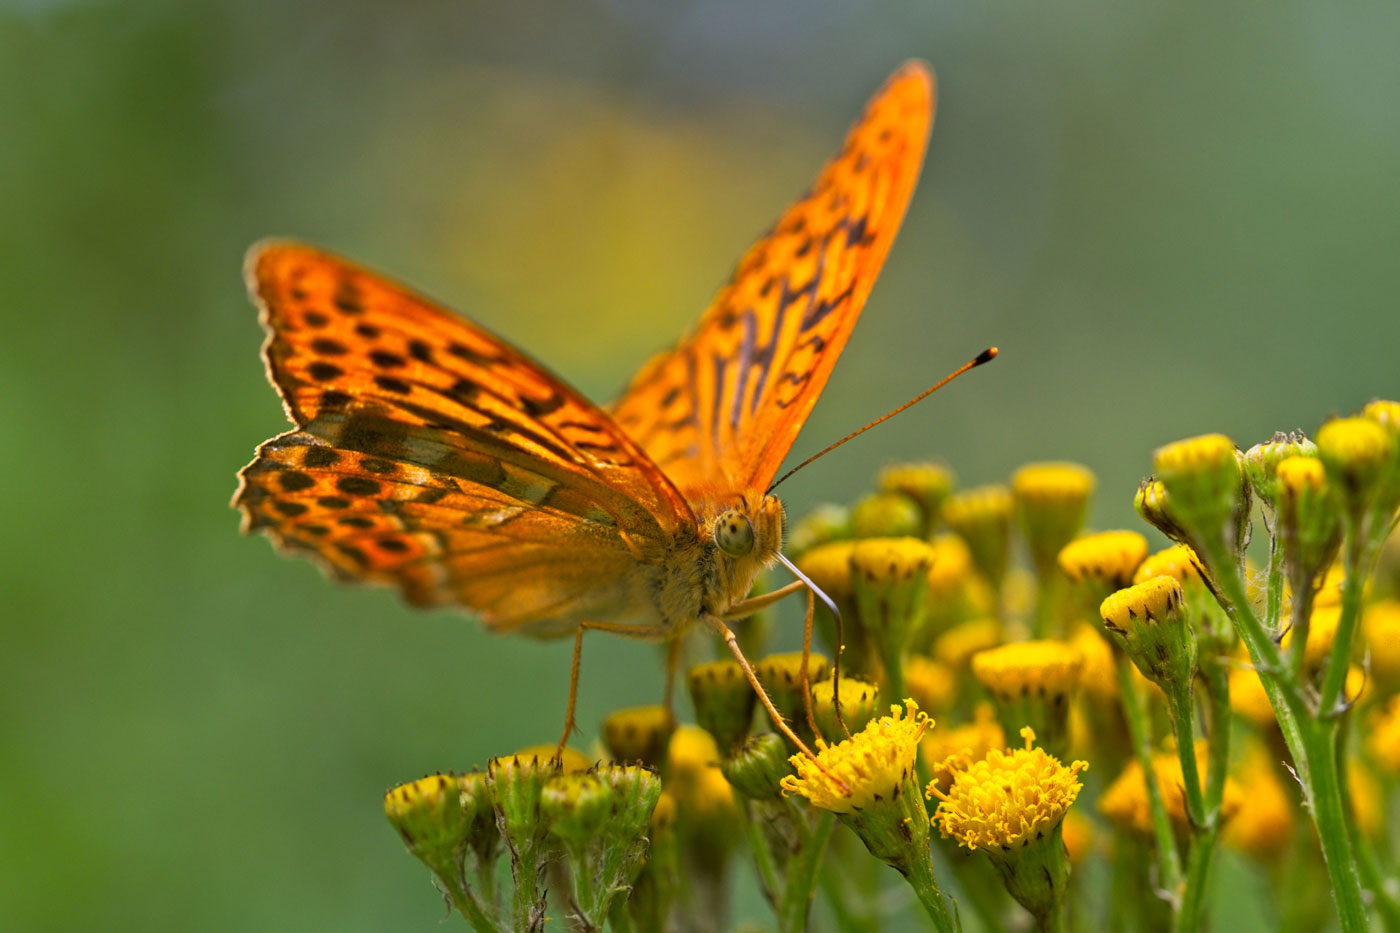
(430, 455)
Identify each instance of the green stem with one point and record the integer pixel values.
(833, 887)
(1168, 860)
(802, 875)
(1273, 598)
(1182, 713)
(762, 856)
(467, 905)
(1320, 746)
(920, 878)
(1357, 563)
(1053, 922)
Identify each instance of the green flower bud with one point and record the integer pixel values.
(824, 523)
(1309, 519)
(781, 676)
(1261, 464)
(724, 701)
(430, 816)
(756, 768)
(928, 484)
(982, 517)
(1155, 507)
(577, 806)
(886, 515)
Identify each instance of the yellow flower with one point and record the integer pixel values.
(1367, 801)
(1007, 799)
(1099, 677)
(638, 733)
(1380, 627)
(1322, 632)
(1079, 836)
(1051, 500)
(932, 684)
(571, 760)
(1384, 412)
(1124, 801)
(1047, 668)
(1356, 452)
(1248, 699)
(928, 484)
(982, 516)
(956, 646)
(1383, 742)
(1178, 561)
(1107, 558)
(693, 776)
(829, 567)
(886, 515)
(1263, 825)
(967, 742)
(871, 764)
(859, 701)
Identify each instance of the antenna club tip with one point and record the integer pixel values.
(986, 356)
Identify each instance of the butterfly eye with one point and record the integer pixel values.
(734, 533)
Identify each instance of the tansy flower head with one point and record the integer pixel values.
(724, 701)
(932, 684)
(1039, 667)
(886, 515)
(1098, 678)
(1204, 479)
(956, 646)
(1383, 740)
(1124, 801)
(1051, 500)
(927, 484)
(872, 764)
(1263, 824)
(1383, 412)
(1107, 559)
(1155, 507)
(1261, 462)
(826, 522)
(1007, 799)
(1357, 453)
(1177, 561)
(756, 768)
(829, 567)
(781, 676)
(693, 776)
(944, 747)
(1149, 620)
(1308, 518)
(1032, 682)
(1380, 627)
(639, 733)
(858, 705)
(982, 516)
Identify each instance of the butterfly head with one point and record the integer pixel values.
(749, 535)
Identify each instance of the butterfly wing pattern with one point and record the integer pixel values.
(431, 455)
(732, 396)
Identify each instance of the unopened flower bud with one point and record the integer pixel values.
(886, 515)
(1051, 501)
(723, 699)
(927, 484)
(982, 517)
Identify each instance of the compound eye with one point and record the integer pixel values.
(734, 533)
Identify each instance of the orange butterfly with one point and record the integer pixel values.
(431, 455)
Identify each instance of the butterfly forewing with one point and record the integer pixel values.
(432, 455)
(725, 405)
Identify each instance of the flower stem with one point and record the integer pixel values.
(802, 874)
(1319, 738)
(449, 876)
(1168, 860)
(920, 878)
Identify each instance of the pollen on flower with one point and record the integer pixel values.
(944, 748)
(1109, 557)
(872, 765)
(1046, 668)
(1009, 798)
(1178, 561)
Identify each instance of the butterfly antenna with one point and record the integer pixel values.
(986, 356)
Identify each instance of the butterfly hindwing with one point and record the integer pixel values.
(431, 455)
(725, 405)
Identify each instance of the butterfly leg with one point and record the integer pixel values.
(642, 632)
(716, 624)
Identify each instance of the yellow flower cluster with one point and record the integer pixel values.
(871, 764)
(1007, 799)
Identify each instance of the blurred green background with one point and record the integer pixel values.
(1171, 217)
